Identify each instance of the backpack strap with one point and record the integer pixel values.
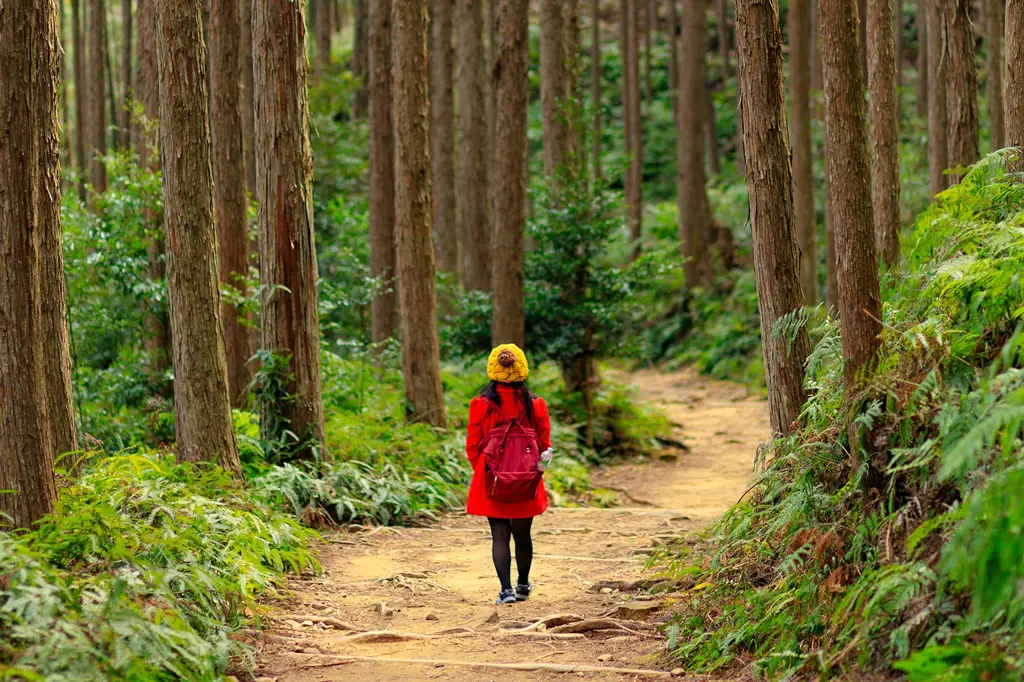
(492, 407)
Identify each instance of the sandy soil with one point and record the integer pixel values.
(439, 581)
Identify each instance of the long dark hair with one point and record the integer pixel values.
(522, 392)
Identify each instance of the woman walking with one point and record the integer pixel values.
(508, 443)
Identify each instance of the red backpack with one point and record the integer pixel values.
(511, 455)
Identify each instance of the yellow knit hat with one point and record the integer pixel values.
(507, 364)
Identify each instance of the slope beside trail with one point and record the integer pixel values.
(437, 584)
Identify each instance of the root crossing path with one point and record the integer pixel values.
(417, 603)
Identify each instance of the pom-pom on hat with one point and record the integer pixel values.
(507, 364)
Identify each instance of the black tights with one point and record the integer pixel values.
(502, 532)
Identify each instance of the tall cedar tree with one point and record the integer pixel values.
(722, 16)
(510, 78)
(96, 88)
(776, 255)
(860, 302)
(553, 87)
(651, 14)
(442, 136)
(634, 122)
(921, 21)
(694, 217)
(897, 41)
(595, 85)
(290, 324)
(229, 200)
(961, 85)
(885, 128)
(127, 94)
(382, 171)
(157, 341)
(673, 58)
(1013, 92)
(938, 151)
(572, 46)
(248, 110)
(421, 349)
(201, 404)
(361, 54)
(803, 174)
(322, 21)
(81, 123)
(994, 70)
(29, 227)
(474, 169)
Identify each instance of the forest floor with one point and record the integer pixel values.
(435, 586)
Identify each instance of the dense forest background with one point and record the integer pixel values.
(255, 252)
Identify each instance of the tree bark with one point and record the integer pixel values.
(722, 11)
(897, 43)
(961, 86)
(442, 138)
(710, 127)
(776, 254)
(885, 126)
(573, 94)
(382, 171)
(805, 223)
(652, 13)
(938, 152)
(673, 59)
(552, 88)
(595, 85)
(860, 303)
(323, 38)
(229, 200)
(421, 351)
(921, 20)
(201, 405)
(97, 101)
(116, 137)
(1013, 92)
(862, 14)
(510, 77)
(474, 169)
(290, 324)
(248, 109)
(691, 196)
(634, 125)
(128, 92)
(81, 88)
(29, 218)
(994, 70)
(817, 81)
(360, 54)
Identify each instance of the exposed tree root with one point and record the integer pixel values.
(542, 635)
(595, 624)
(387, 636)
(552, 621)
(324, 620)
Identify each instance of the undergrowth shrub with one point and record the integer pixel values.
(907, 556)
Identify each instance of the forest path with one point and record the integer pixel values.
(426, 581)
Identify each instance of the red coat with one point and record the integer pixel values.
(481, 421)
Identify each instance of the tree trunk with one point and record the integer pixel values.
(862, 14)
(229, 200)
(573, 94)
(885, 128)
(81, 88)
(652, 14)
(817, 81)
(323, 38)
(201, 405)
(510, 74)
(805, 224)
(961, 86)
(442, 138)
(860, 303)
(722, 11)
(290, 324)
(673, 58)
(1013, 92)
(776, 254)
(897, 44)
(66, 159)
(128, 93)
(360, 54)
(994, 70)
(552, 88)
(382, 170)
(474, 169)
(248, 111)
(938, 154)
(595, 85)
(921, 20)
(29, 219)
(710, 127)
(691, 197)
(96, 88)
(634, 125)
(421, 351)
(116, 134)
(157, 341)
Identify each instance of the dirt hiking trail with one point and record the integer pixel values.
(417, 603)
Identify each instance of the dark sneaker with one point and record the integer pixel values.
(523, 591)
(506, 597)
